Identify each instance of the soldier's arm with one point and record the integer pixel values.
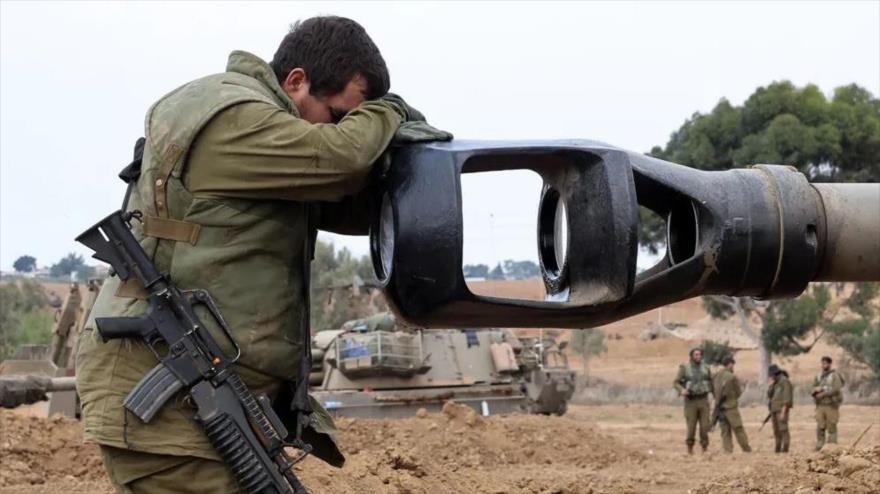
(836, 384)
(788, 395)
(350, 216)
(678, 383)
(257, 151)
(710, 378)
(731, 388)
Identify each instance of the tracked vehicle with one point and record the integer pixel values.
(375, 367)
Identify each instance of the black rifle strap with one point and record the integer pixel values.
(300, 404)
(132, 171)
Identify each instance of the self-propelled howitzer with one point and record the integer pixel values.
(763, 231)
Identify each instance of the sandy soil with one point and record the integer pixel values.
(602, 449)
(657, 360)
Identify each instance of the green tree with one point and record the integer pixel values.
(497, 272)
(23, 316)
(520, 270)
(335, 276)
(714, 351)
(842, 312)
(25, 264)
(828, 140)
(835, 139)
(859, 334)
(587, 343)
(476, 271)
(72, 263)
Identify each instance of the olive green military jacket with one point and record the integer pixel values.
(695, 378)
(780, 394)
(727, 389)
(832, 388)
(232, 188)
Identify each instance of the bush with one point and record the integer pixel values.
(24, 318)
(714, 351)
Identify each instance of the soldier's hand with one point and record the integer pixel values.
(410, 114)
(685, 393)
(414, 128)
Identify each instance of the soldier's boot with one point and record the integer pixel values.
(832, 438)
(690, 449)
(820, 438)
(705, 447)
(786, 439)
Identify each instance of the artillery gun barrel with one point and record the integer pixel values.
(763, 232)
(16, 390)
(61, 384)
(852, 235)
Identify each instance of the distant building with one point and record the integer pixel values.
(40, 273)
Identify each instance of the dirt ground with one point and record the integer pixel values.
(601, 449)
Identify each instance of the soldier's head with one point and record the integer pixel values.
(328, 66)
(826, 363)
(773, 371)
(728, 361)
(696, 355)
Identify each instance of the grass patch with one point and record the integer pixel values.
(36, 328)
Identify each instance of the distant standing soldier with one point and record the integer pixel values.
(727, 393)
(694, 383)
(779, 394)
(828, 395)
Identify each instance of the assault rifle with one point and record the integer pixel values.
(243, 428)
(717, 414)
(766, 419)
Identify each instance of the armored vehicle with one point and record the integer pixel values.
(45, 372)
(376, 367)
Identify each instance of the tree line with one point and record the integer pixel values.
(828, 139)
(71, 263)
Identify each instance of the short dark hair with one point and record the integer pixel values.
(332, 50)
(826, 358)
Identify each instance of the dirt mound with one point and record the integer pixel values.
(831, 470)
(460, 451)
(452, 451)
(34, 452)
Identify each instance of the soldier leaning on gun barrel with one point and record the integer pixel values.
(779, 395)
(828, 395)
(694, 383)
(727, 393)
(239, 170)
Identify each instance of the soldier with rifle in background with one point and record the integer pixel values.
(694, 383)
(828, 395)
(779, 395)
(727, 392)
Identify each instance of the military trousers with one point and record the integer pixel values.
(732, 425)
(827, 417)
(696, 411)
(780, 432)
(826, 421)
(134, 472)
